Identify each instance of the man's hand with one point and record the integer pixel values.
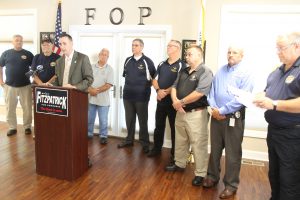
(161, 93)
(69, 86)
(93, 91)
(216, 114)
(2, 83)
(177, 105)
(263, 102)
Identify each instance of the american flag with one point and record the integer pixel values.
(58, 30)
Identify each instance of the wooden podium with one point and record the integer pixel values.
(60, 127)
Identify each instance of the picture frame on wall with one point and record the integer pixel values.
(47, 35)
(185, 45)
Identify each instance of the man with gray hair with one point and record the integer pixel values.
(99, 101)
(138, 72)
(281, 98)
(17, 85)
(227, 122)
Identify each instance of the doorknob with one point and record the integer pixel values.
(121, 92)
(114, 91)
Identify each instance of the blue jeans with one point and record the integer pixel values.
(103, 119)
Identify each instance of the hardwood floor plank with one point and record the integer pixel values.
(115, 174)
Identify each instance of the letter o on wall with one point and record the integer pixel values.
(121, 16)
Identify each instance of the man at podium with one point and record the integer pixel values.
(73, 69)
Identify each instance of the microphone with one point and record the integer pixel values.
(32, 72)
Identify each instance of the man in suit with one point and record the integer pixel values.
(73, 69)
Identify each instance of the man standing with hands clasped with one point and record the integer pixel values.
(189, 96)
(281, 98)
(227, 122)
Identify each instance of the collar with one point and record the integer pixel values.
(71, 55)
(296, 64)
(233, 67)
(197, 68)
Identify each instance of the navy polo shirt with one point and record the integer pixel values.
(48, 63)
(199, 80)
(17, 64)
(166, 74)
(138, 75)
(283, 85)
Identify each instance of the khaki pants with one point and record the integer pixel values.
(191, 129)
(12, 95)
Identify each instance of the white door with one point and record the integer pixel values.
(91, 39)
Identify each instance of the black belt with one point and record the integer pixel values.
(196, 109)
(284, 127)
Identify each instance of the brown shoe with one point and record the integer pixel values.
(209, 183)
(227, 193)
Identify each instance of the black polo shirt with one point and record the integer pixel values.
(48, 63)
(199, 80)
(283, 85)
(138, 75)
(17, 63)
(166, 74)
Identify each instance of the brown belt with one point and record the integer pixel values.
(196, 109)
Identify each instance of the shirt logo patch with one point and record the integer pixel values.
(52, 64)
(289, 79)
(193, 78)
(141, 67)
(173, 69)
(24, 57)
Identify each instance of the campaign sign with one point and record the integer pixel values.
(51, 101)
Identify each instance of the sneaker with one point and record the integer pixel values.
(103, 140)
(11, 132)
(27, 131)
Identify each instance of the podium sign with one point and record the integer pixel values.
(51, 101)
(60, 127)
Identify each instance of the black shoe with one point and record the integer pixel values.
(27, 131)
(146, 149)
(103, 140)
(125, 144)
(11, 132)
(154, 152)
(173, 168)
(197, 181)
(89, 162)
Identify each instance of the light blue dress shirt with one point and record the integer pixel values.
(236, 76)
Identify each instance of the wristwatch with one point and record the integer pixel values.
(275, 103)
(182, 101)
(157, 89)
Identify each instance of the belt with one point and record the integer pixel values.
(285, 127)
(196, 109)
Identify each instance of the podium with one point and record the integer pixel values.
(60, 127)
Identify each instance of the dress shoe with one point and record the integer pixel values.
(103, 140)
(227, 193)
(146, 149)
(197, 181)
(173, 168)
(154, 152)
(209, 183)
(11, 132)
(27, 131)
(125, 144)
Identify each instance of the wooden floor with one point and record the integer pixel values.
(115, 174)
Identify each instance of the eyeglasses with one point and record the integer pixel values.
(281, 49)
(135, 45)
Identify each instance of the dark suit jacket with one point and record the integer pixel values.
(80, 75)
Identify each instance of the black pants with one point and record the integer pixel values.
(133, 108)
(222, 135)
(284, 163)
(162, 112)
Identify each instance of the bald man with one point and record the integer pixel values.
(227, 122)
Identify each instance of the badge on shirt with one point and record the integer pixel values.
(174, 69)
(52, 64)
(24, 57)
(289, 79)
(193, 78)
(141, 67)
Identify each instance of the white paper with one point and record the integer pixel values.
(243, 97)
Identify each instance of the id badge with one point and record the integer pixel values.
(231, 122)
